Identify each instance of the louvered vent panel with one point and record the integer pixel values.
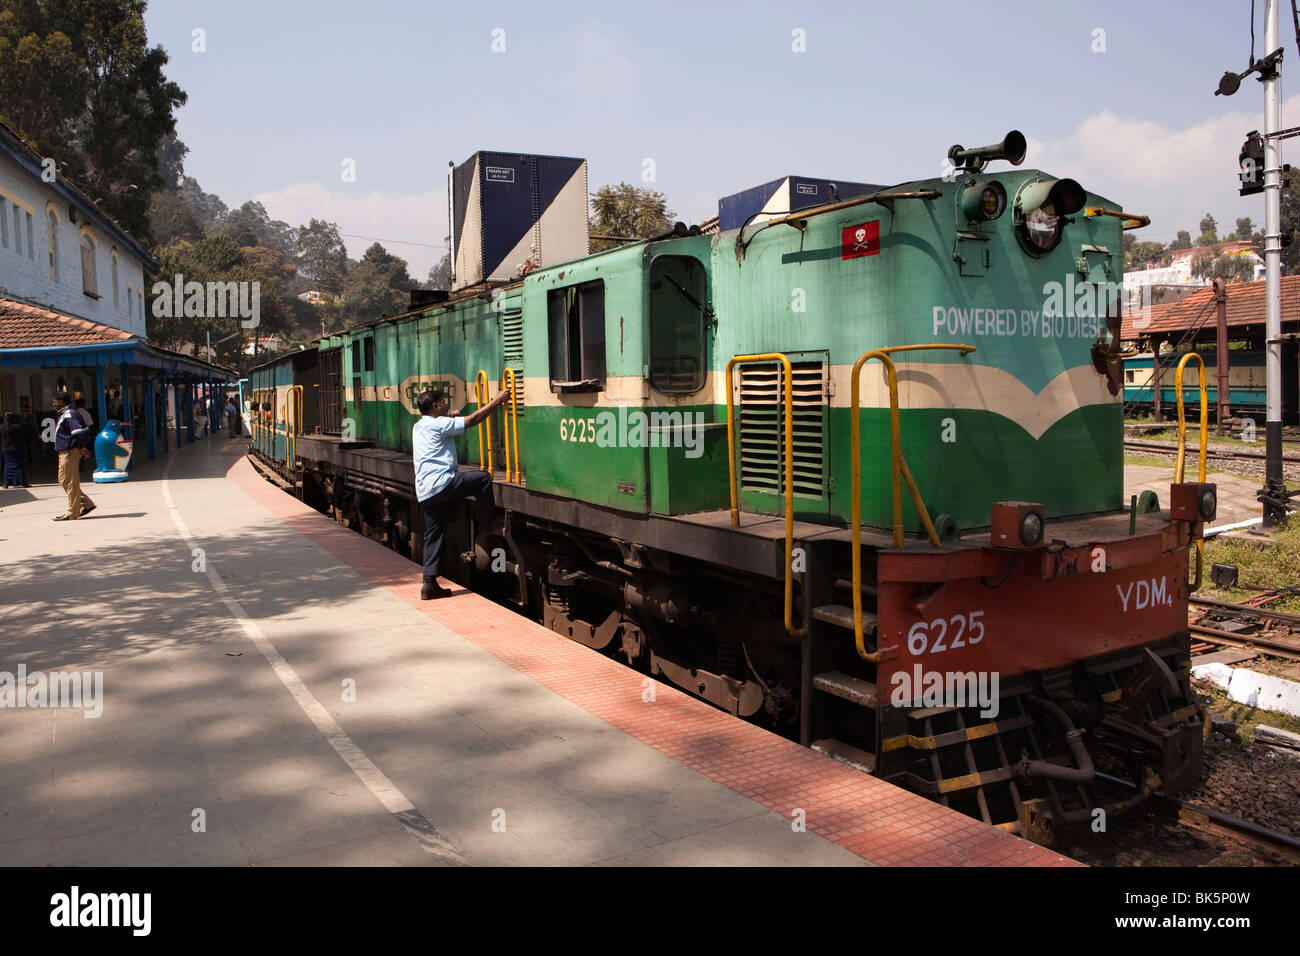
(512, 340)
(762, 428)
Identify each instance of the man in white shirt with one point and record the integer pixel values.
(439, 483)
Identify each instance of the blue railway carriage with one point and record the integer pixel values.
(1245, 382)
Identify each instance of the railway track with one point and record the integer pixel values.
(1217, 823)
(1171, 448)
(1249, 613)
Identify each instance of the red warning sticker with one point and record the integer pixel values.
(860, 240)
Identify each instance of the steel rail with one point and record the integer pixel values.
(1217, 822)
(1216, 636)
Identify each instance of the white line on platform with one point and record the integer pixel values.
(394, 801)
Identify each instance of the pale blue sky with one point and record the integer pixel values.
(712, 92)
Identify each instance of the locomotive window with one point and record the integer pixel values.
(577, 332)
(678, 311)
(356, 356)
(370, 355)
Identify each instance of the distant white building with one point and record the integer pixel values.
(1179, 271)
(59, 251)
(262, 346)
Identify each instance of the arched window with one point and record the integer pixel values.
(52, 235)
(112, 258)
(89, 283)
(130, 301)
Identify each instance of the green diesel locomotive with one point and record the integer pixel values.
(852, 470)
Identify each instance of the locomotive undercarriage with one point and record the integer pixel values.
(717, 633)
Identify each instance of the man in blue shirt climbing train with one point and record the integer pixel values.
(439, 483)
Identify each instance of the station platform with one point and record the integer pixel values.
(274, 692)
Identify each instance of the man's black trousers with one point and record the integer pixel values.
(437, 511)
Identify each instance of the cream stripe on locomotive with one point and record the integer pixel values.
(921, 385)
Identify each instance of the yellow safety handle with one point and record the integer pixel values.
(789, 466)
(510, 424)
(292, 404)
(1131, 221)
(899, 470)
(1195, 584)
(481, 394)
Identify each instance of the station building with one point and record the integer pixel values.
(1156, 337)
(72, 315)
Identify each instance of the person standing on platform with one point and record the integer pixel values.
(72, 440)
(13, 450)
(438, 481)
(232, 417)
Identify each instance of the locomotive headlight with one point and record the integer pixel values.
(1040, 211)
(1043, 227)
(1031, 529)
(1208, 503)
(984, 202)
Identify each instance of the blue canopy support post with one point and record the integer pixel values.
(101, 410)
(207, 407)
(150, 426)
(189, 409)
(162, 411)
(176, 403)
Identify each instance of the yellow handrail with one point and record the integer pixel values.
(1131, 220)
(510, 424)
(789, 466)
(1182, 447)
(899, 470)
(482, 396)
(292, 403)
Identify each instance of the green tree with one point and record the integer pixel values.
(1182, 241)
(377, 285)
(1143, 254)
(1212, 263)
(1245, 228)
(271, 233)
(440, 273)
(79, 81)
(1208, 226)
(221, 259)
(1290, 224)
(171, 218)
(625, 210)
(322, 257)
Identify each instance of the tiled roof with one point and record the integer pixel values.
(25, 326)
(1245, 307)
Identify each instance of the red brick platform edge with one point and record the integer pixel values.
(867, 816)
